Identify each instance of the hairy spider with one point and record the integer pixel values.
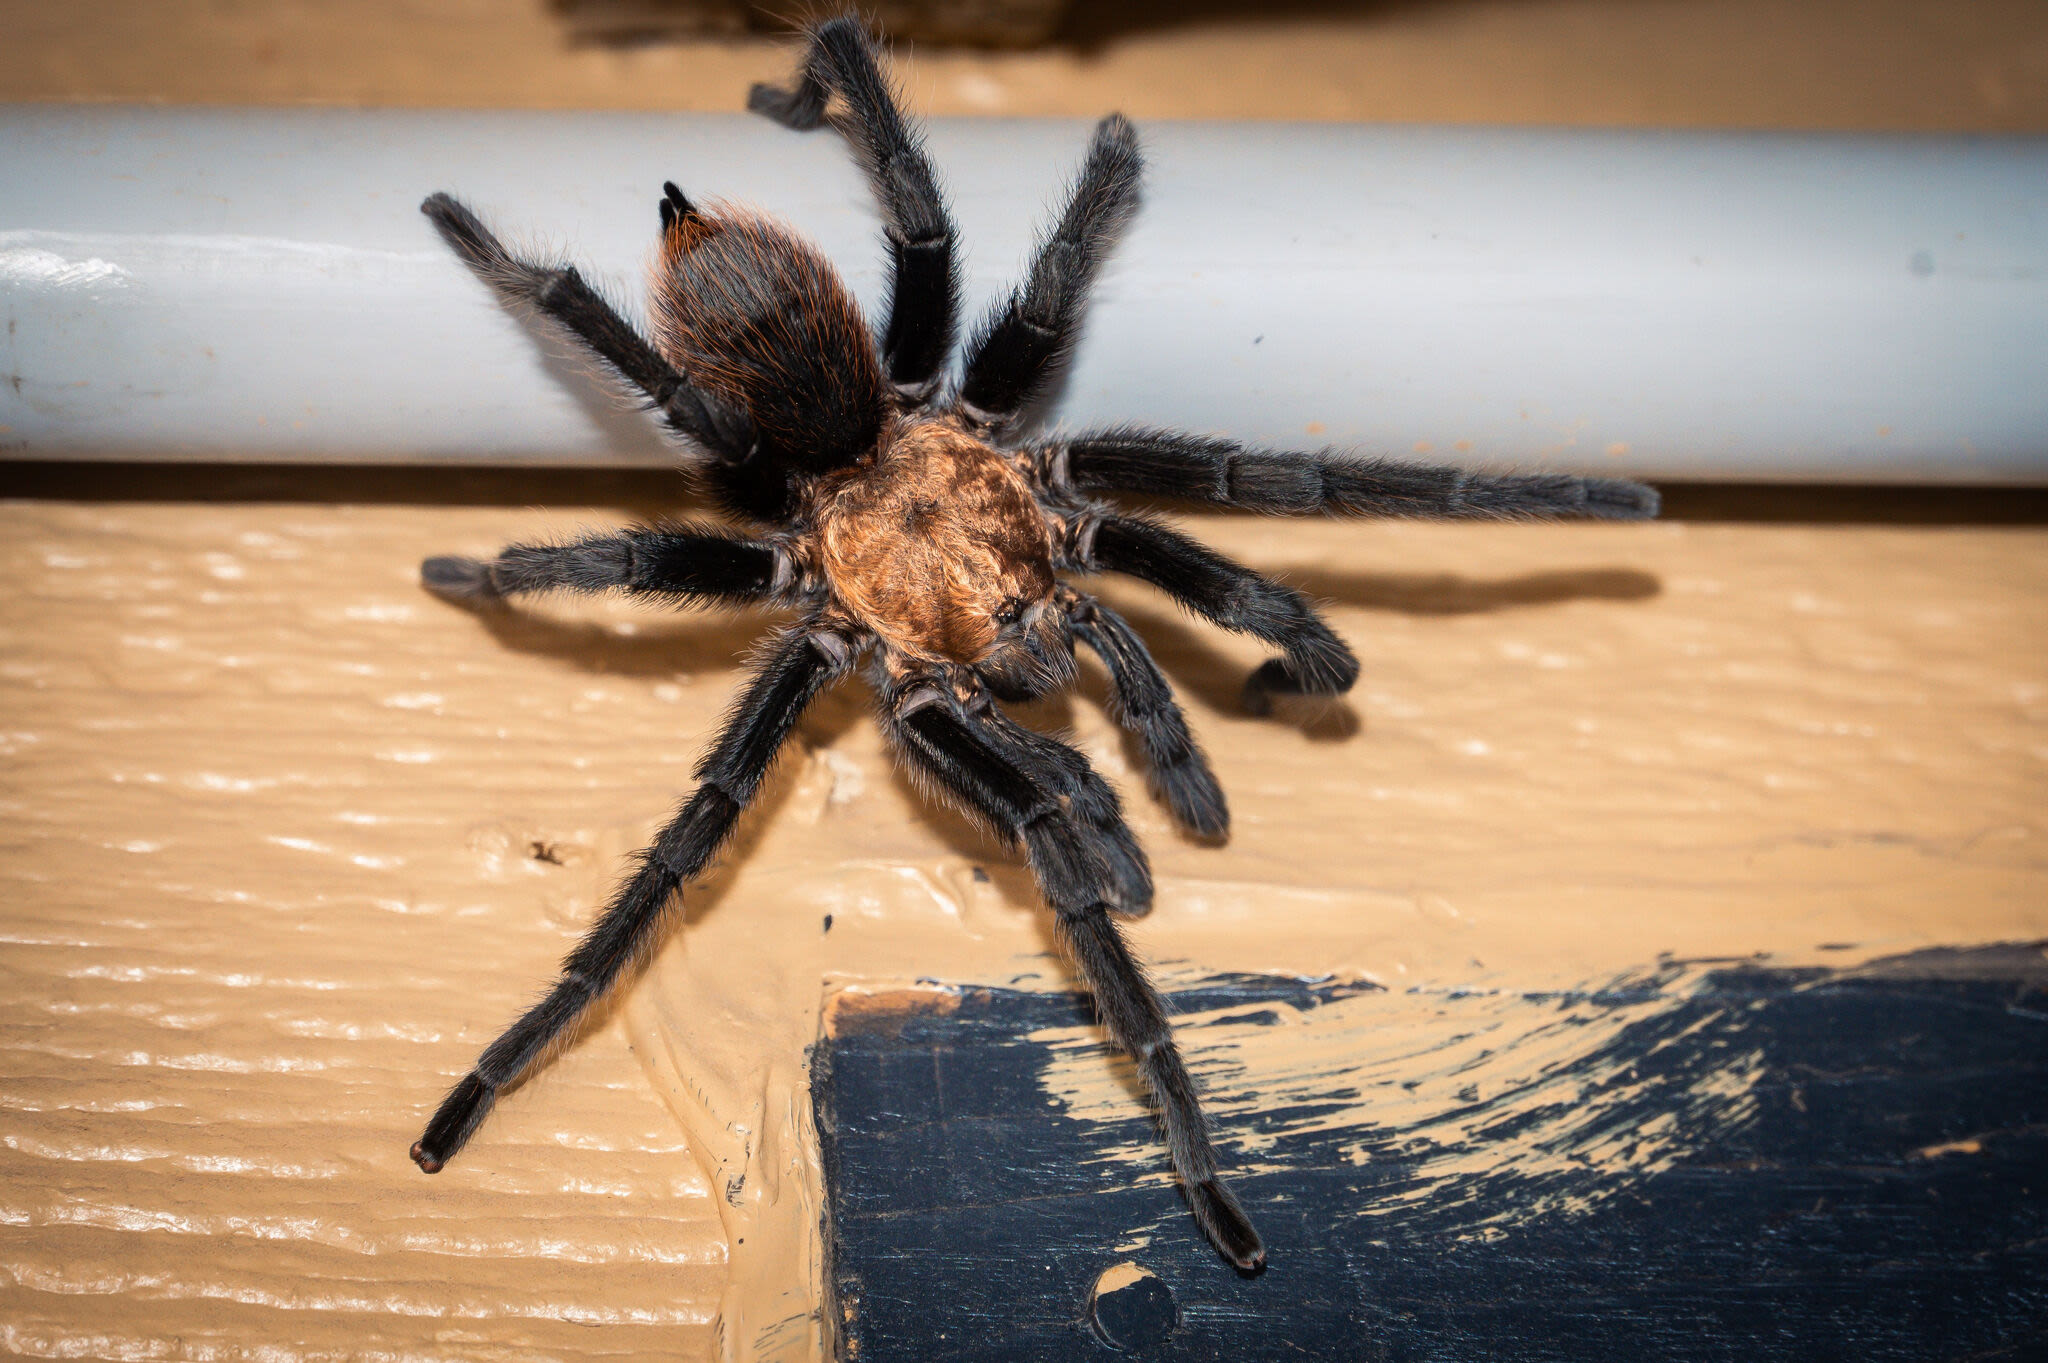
(919, 537)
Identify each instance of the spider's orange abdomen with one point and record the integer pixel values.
(750, 311)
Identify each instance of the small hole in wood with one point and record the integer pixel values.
(1131, 1309)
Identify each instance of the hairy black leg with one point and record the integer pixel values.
(1135, 1015)
(1089, 797)
(1017, 348)
(924, 285)
(560, 294)
(1316, 662)
(1067, 775)
(1142, 702)
(957, 749)
(1294, 483)
(677, 563)
(798, 666)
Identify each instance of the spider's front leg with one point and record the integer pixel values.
(1020, 345)
(801, 663)
(561, 294)
(976, 763)
(679, 564)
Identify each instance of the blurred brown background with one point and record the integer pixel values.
(1896, 64)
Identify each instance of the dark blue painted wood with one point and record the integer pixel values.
(970, 1218)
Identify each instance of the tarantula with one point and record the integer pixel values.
(918, 536)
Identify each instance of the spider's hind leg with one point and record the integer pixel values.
(1313, 661)
(1090, 799)
(974, 765)
(925, 288)
(800, 665)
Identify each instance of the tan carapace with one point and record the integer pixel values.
(937, 545)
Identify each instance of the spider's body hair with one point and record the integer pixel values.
(749, 311)
(927, 537)
(935, 545)
(906, 522)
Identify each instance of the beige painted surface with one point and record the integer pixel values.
(285, 840)
(288, 840)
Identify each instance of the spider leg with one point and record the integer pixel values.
(562, 295)
(1291, 482)
(799, 665)
(1065, 773)
(681, 564)
(924, 283)
(1143, 704)
(1016, 350)
(1315, 661)
(1090, 798)
(972, 764)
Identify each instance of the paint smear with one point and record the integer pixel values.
(1499, 1106)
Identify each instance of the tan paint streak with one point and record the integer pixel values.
(865, 1008)
(1438, 1069)
(1117, 1277)
(1969, 1147)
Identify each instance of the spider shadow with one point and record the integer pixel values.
(667, 652)
(1185, 647)
(1451, 594)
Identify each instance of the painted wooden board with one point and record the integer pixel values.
(1710, 1160)
(287, 842)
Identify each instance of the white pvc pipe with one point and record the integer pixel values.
(245, 284)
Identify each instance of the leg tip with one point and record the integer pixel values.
(1227, 1227)
(1620, 500)
(465, 581)
(427, 1163)
(1196, 799)
(449, 212)
(786, 107)
(1114, 127)
(1324, 674)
